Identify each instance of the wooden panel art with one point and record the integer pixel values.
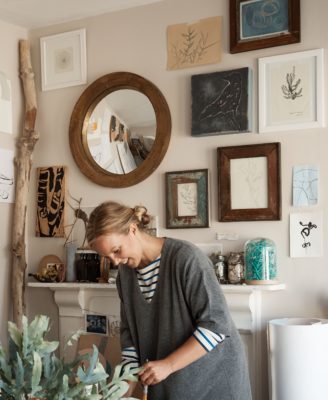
(51, 184)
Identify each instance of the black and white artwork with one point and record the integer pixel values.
(306, 234)
(221, 102)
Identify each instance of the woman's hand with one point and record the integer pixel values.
(155, 371)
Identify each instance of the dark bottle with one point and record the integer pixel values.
(81, 268)
(93, 267)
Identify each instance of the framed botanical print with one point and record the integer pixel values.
(249, 182)
(187, 199)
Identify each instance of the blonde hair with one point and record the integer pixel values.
(111, 217)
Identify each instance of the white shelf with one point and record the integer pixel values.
(226, 288)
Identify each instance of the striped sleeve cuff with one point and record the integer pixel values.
(208, 339)
(130, 358)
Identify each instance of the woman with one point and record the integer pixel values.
(173, 312)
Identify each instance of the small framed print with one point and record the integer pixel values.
(63, 60)
(187, 199)
(95, 323)
(249, 182)
(258, 24)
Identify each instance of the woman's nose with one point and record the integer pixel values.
(115, 260)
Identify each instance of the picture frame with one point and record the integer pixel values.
(63, 60)
(187, 199)
(291, 91)
(249, 182)
(222, 102)
(257, 25)
(95, 323)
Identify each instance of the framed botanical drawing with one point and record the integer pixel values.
(249, 182)
(221, 102)
(187, 199)
(257, 24)
(63, 60)
(291, 91)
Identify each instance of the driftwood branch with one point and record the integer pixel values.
(23, 163)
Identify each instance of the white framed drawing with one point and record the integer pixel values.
(291, 91)
(306, 232)
(6, 117)
(7, 176)
(63, 60)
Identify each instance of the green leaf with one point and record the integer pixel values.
(14, 333)
(19, 372)
(36, 372)
(48, 347)
(25, 339)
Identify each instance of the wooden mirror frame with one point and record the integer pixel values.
(82, 111)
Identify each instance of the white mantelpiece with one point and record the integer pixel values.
(74, 300)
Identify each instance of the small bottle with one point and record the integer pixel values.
(221, 270)
(236, 273)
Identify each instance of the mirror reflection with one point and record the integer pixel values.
(121, 131)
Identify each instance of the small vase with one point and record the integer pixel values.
(260, 261)
(70, 262)
(236, 268)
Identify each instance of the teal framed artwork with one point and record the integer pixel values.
(263, 23)
(187, 199)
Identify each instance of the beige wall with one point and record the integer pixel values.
(9, 37)
(135, 40)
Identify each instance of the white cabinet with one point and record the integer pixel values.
(75, 300)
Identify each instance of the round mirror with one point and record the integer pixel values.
(120, 129)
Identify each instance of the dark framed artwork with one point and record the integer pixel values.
(187, 199)
(249, 182)
(95, 323)
(263, 23)
(51, 191)
(221, 102)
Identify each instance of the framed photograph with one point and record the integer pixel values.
(257, 24)
(221, 102)
(63, 60)
(291, 91)
(95, 323)
(249, 182)
(187, 199)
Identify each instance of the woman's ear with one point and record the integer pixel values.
(133, 228)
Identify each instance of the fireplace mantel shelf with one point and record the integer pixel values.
(226, 288)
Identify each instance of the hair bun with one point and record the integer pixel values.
(142, 215)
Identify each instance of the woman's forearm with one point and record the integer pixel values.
(189, 352)
(156, 371)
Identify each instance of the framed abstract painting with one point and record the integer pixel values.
(258, 24)
(221, 102)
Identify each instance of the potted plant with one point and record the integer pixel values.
(30, 369)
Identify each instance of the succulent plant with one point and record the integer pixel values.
(31, 368)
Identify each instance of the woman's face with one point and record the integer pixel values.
(120, 248)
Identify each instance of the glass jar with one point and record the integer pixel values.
(260, 261)
(236, 268)
(221, 270)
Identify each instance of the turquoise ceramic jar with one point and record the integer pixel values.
(260, 261)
